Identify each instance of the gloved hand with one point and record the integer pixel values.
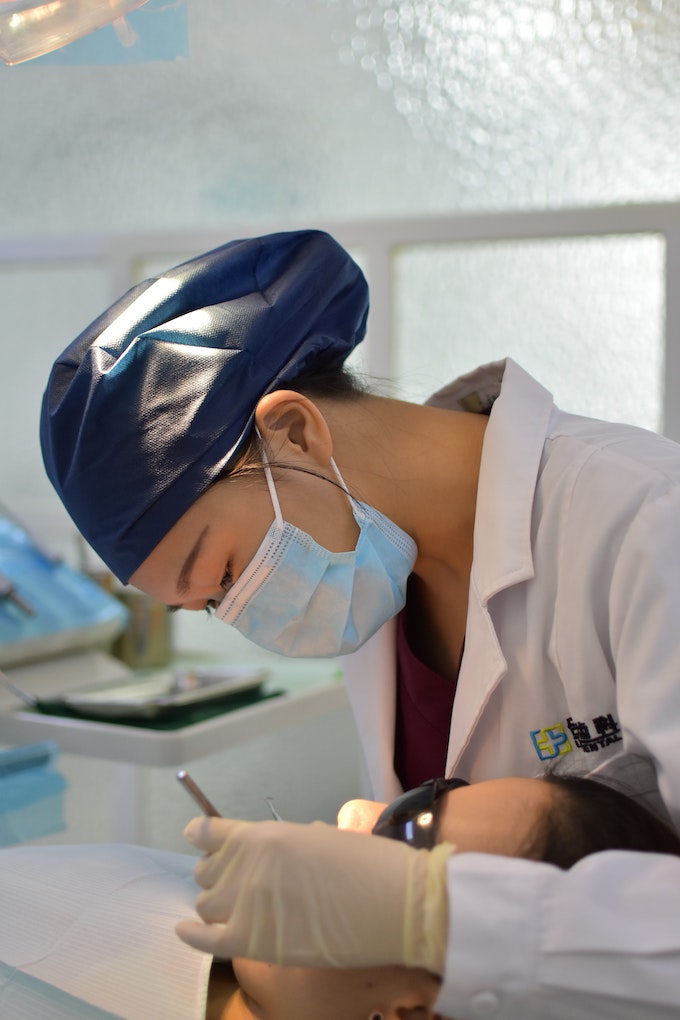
(313, 895)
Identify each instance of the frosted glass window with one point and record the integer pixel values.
(538, 102)
(585, 316)
(44, 308)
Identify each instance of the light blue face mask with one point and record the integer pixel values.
(299, 599)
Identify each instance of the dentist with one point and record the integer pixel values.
(502, 577)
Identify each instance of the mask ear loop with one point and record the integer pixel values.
(270, 481)
(339, 477)
(352, 501)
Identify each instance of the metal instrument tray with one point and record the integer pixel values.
(155, 695)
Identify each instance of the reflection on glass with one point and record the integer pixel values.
(567, 97)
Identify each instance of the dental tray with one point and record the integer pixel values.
(158, 695)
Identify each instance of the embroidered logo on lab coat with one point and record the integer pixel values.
(552, 741)
(607, 731)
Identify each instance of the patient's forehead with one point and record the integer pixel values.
(495, 816)
(501, 816)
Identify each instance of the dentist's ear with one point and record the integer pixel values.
(291, 425)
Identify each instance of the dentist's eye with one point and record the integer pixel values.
(225, 584)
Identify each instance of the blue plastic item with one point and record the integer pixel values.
(31, 793)
(46, 607)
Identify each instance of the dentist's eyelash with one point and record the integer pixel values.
(225, 584)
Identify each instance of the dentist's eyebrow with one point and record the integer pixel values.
(184, 577)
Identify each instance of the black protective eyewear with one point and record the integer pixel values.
(412, 818)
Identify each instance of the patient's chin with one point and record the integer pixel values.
(224, 1001)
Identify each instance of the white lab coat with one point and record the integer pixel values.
(572, 653)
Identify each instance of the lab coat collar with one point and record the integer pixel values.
(511, 457)
(511, 460)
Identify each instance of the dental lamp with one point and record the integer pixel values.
(30, 28)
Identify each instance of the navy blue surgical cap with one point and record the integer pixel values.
(157, 396)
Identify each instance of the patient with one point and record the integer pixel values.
(556, 819)
(88, 931)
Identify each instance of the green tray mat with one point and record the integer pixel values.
(174, 718)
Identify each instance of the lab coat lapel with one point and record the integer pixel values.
(502, 557)
(482, 668)
(370, 678)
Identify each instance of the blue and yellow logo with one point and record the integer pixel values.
(551, 741)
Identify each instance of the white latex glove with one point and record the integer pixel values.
(313, 895)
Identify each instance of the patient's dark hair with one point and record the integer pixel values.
(587, 816)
